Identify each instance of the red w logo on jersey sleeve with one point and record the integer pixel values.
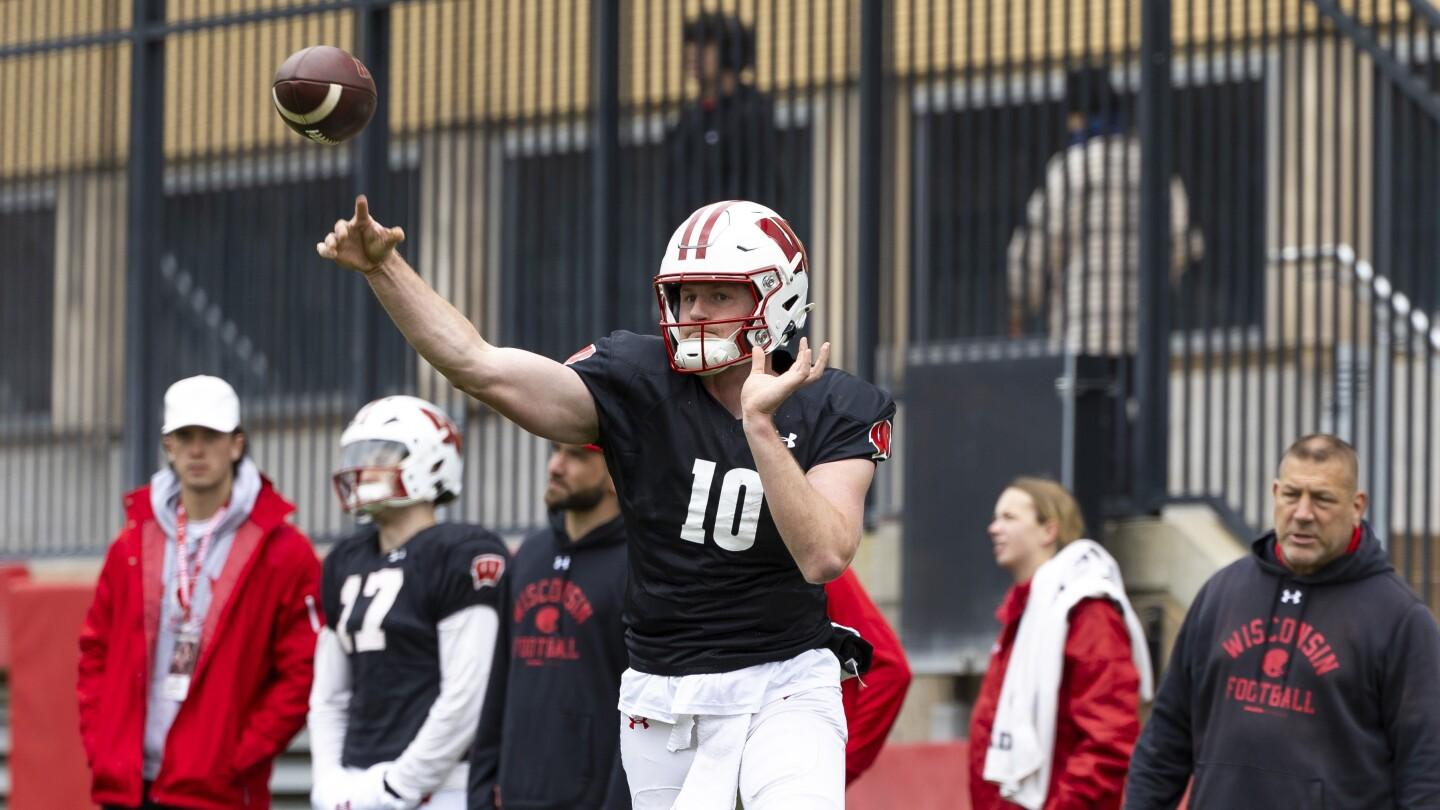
(880, 439)
(486, 569)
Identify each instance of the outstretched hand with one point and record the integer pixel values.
(764, 391)
(360, 243)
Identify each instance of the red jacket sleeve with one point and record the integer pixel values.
(94, 644)
(1100, 697)
(869, 711)
(279, 713)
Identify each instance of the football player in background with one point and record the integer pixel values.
(742, 473)
(410, 610)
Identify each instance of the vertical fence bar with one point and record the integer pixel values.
(1150, 451)
(605, 162)
(872, 208)
(143, 232)
(370, 174)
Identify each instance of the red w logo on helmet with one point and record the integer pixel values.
(779, 230)
(444, 425)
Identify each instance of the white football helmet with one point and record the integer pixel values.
(740, 242)
(398, 451)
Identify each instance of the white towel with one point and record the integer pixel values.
(1022, 741)
(714, 776)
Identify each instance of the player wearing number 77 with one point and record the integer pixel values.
(742, 475)
(410, 607)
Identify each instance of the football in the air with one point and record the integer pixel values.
(324, 93)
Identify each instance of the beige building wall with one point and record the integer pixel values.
(463, 61)
(87, 331)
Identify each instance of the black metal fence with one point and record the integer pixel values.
(1239, 194)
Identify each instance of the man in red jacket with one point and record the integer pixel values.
(871, 709)
(196, 655)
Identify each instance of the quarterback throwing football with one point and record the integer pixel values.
(742, 475)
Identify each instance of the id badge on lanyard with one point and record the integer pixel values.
(182, 664)
(187, 635)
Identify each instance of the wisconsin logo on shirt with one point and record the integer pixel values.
(548, 602)
(1282, 643)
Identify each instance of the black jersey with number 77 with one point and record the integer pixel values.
(712, 586)
(386, 609)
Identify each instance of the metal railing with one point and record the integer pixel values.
(1338, 336)
(538, 153)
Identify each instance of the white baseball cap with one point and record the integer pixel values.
(201, 401)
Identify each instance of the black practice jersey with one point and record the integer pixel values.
(712, 586)
(385, 608)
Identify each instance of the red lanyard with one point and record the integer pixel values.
(187, 573)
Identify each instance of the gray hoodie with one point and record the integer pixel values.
(160, 711)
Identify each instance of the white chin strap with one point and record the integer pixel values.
(378, 495)
(717, 352)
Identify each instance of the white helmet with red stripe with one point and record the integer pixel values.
(738, 242)
(398, 451)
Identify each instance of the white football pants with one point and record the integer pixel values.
(793, 759)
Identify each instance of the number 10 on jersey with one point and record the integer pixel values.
(737, 517)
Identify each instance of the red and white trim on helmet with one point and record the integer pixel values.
(748, 329)
(733, 242)
(711, 215)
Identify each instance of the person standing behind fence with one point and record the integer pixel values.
(1306, 674)
(547, 736)
(722, 147)
(1079, 247)
(1059, 709)
(196, 654)
(412, 614)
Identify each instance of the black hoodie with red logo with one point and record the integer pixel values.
(549, 734)
(1294, 692)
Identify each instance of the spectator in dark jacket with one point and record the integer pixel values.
(723, 147)
(1306, 674)
(547, 736)
(1059, 709)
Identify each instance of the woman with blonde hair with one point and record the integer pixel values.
(1056, 730)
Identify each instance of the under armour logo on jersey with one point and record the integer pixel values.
(789, 440)
(1290, 598)
(562, 562)
(644, 723)
(396, 556)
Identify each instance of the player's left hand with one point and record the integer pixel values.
(367, 792)
(765, 391)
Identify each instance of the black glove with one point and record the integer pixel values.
(853, 651)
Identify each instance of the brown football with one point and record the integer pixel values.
(324, 93)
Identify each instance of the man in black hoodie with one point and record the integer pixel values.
(1306, 675)
(725, 144)
(547, 732)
